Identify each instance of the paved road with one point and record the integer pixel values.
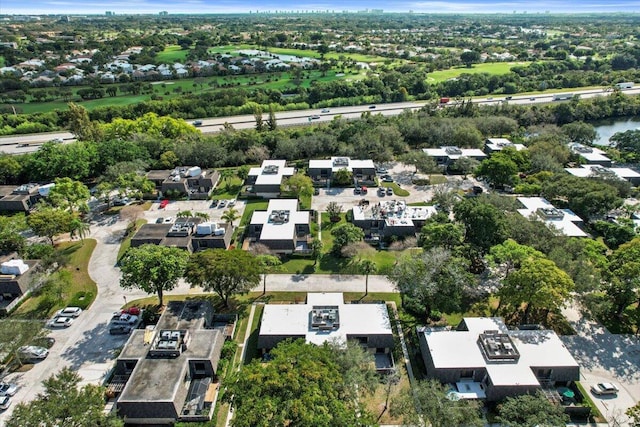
(605, 357)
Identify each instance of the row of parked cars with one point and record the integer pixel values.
(65, 317)
(123, 322)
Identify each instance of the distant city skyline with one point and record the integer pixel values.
(122, 7)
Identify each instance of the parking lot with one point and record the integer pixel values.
(203, 206)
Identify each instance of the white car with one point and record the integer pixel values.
(168, 220)
(69, 312)
(604, 388)
(123, 319)
(5, 402)
(231, 202)
(32, 352)
(7, 389)
(60, 322)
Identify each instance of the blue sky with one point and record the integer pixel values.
(229, 6)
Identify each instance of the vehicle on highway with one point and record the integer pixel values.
(197, 122)
(508, 98)
(69, 312)
(5, 402)
(604, 389)
(371, 107)
(24, 144)
(57, 140)
(60, 322)
(32, 352)
(8, 389)
(325, 110)
(533, 98)
(120, 329)
(490, 98)
(314, 117)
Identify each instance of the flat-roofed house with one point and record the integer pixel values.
(191, 234)
(592, 155)
(597, 171)
(282, 228)
(485, 360)
(493, 145)
(321, 171)
(563, 220)
(325, 317)
(390, 218)
(169, 373)
(266, 180)
(17, 281)
(192, 181)
(23, 198)
(446, 155)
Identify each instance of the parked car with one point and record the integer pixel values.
(119, 329)
(168, 220)
(32, 352)
(69, 312)
(60, 322)
(357, 190)
(120, 318)
(160, 220)
(381, 170)
(325, 110)
(381, 191)
(121, 202)
(8, 389)
(133, 310)
(604, 389)
(316, 191)
(231, 202)
(5, 402)
(197, 122)
(387, 178)
(389, 191)
(222, 204)
(214, 203)
(163, 204)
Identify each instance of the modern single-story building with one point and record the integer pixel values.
(16, 281)
(265, 181)
(321, 171)
(597, 171)
(282, 228)
(493, 145)
(191, 234)
(486, 360)
(446, 155)
(192, 181)
(169, 372)
(563, 220)
(24, 197)
(592, 155)
(325, 317)
(390, 218)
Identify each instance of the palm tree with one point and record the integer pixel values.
(184, 214)
(205, 216)
(316, 250)
(226, 175)
(366, 267)
(269, 264)
(79, 228)
(230, 215)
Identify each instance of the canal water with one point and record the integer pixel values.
(607, 128)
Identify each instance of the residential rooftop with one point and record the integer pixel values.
(280, 219)
(271, 172)
(454, 153)
(393, 212)
(337, 163)
(499, 144)
(563, 220)
(587, 171)
(590, 154)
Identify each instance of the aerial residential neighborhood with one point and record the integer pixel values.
(340, 216)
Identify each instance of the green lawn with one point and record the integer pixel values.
(126, 242)
(491, 68)
(83, 289)
(396, 189)
(252, 205)
(227, 189)
(172, 53)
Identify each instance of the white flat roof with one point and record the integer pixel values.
(273, 178)
(355, 319)
(465, 152)
(396, 211)
(594, 154)
(460, 350)
(280, 231)
(351, 164)
(497, 144)
(585, 171)
(566, 225)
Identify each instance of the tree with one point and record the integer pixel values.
(224, 272)
(64, 402)
(10, 168)
(634, 414)
(334, 209)
(531, 410)
(485, 225)
(498, 169)
(468, 57)
(69, 194)
(431, 281)
(343, 235)
(366, 267)
(465, 165)
(537, 283)
(81, 126)
(257, 114)
(230, 215)
(226, 175)
(298, 184)
(269, 264)
(624, 276)
(421, 161)
(272, 123)
(581, 132)
(79, 228)
(446, 235)
(302, 385)
(49, 222)
(510, 255)
(316, 247)
(14, 333)
(153, 268)
(343, 177)
(11, 228)
(357, 366)
(428, 405)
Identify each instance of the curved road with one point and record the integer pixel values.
(29, 143)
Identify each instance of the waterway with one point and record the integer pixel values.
(607, 128)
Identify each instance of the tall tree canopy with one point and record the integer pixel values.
(531, 410)
(153, 268)
(485, 224)
(224, 272)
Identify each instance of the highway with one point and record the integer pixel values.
(29, 143)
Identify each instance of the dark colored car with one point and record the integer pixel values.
(119, 329)
(371, 107)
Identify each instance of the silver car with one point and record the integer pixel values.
(5, 402)
(7, 389)
(604, 388)
(32, 352)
